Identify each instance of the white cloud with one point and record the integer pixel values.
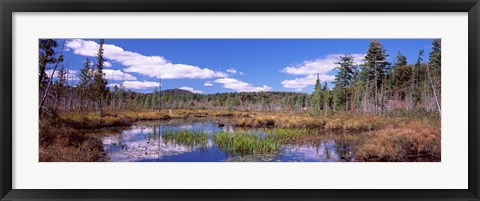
(208, 84)
(150, 66)
(118, 75)
(240, 86)
(137, 84)
(231, 70)
(190, 89)
(300, 83)
(320, 66)
(71, 74)
(311, 68)
(107, 64)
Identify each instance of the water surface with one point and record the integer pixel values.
(143, 143)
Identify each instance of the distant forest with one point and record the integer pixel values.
(376, 86)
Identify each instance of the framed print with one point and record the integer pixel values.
(264, 100)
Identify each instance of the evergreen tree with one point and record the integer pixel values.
(372, 74)
(85, 84)
(316, 101)
(138, 101)
(400, 60)
(155, 98)
(415, 80)
(148, 102)
(343, 81)
(46, 56)
(99, 81)
(434, 71)
(435, 57)
(326, 97)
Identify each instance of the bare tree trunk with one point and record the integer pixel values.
(433, 90)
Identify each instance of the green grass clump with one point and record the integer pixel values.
(297, 136)
(244, 143)
(185, 137)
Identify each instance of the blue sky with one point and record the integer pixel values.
(227, 65)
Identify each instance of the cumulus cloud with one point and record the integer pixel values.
(319, 66)
(190, 89)
(152, 66)
(71, 74)
(311, 68)
(107, 64)
(137, 84)
(240, 86)
(208, 84)
(118, 75)
(231, 70)
(300, 83)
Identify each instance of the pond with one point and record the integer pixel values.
(152, 142)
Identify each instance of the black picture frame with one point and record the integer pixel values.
(10, 6)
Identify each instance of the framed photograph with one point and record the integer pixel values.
(239, 100)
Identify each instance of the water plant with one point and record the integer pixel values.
(244, 143)
(189, 138)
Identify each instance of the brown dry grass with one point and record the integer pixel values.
(416, 140)
(336, 122)
(60, 143)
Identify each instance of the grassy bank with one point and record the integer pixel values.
(119, 118)
(60, 142)
(409, 141)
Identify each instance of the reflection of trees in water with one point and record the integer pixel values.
(326, 150)
(122, 142)
(343, 150)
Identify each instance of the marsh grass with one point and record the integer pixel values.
(94, 121)
(244, 143)
(410, 141)
(59, 142)
(189, 138)
(121, 118)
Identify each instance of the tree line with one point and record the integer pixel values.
(57, 94)
(375, 86)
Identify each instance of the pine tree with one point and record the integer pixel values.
(415, 80)
(326, 97)
(434, 71)
(146, 104)
(400, 60)
(138, 101)
(316, 101)
(46, 56)
(85, 84)
(154, 101)
(435, 57)
(99, 81)
(343, 80)
(372, 74)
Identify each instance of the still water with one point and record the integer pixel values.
(143, 143)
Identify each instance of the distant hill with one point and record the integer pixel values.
(175, 92)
